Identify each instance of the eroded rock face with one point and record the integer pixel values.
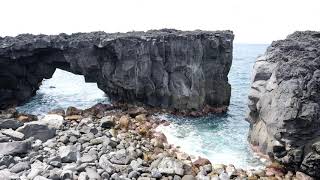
(284, 102)
(162, 68)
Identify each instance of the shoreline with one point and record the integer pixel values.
(174, 140)
(109, 142)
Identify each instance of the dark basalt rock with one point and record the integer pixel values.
(162, 68)
(10, 123)
(37, 131)
(284, 102)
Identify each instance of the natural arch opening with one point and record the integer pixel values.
(171, 69)
(62, 90)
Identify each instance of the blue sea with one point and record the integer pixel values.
(220, 138)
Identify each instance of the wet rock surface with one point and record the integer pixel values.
(161, 68)
(284, 102)
(127, 148)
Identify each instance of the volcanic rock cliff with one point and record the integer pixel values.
(162, 68)
(284, 102)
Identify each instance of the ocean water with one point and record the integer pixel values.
(64, 89)
(220, 138)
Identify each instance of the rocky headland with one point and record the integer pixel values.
(114, 142)
(182, 70)
(284, 102)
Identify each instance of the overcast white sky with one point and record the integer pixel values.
(252, 21)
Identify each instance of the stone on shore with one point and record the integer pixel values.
(133, 174)
(13, 134)
(88, 158)
(73, 111)
(40, 178)
(36, 169)
(59, 111)
(141, 118)
(27, 117)
(6, 160)
(73, 117)
(69, 153)
(201, 162)
(66, 174)
(55, 161)
(170, 166)
(37, 130)
(107, 122)
(5, 174)
(182, 156)
(21, 166)
(10, 123)
(136, 111)
(53, 120)
(4, 138)
(105, 164)
(124, 122)
(93, 174)
(15, 148)
(121, 157)
(83, 176)
(188, 177)
(136, 164)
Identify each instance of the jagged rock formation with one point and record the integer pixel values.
(284, 102)
(162, 68)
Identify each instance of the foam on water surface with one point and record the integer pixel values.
(212, 138)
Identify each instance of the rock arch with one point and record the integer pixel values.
(162, 68)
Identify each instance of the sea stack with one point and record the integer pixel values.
(284, 102)
(183, 70)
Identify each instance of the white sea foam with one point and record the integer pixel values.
(211, 145)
